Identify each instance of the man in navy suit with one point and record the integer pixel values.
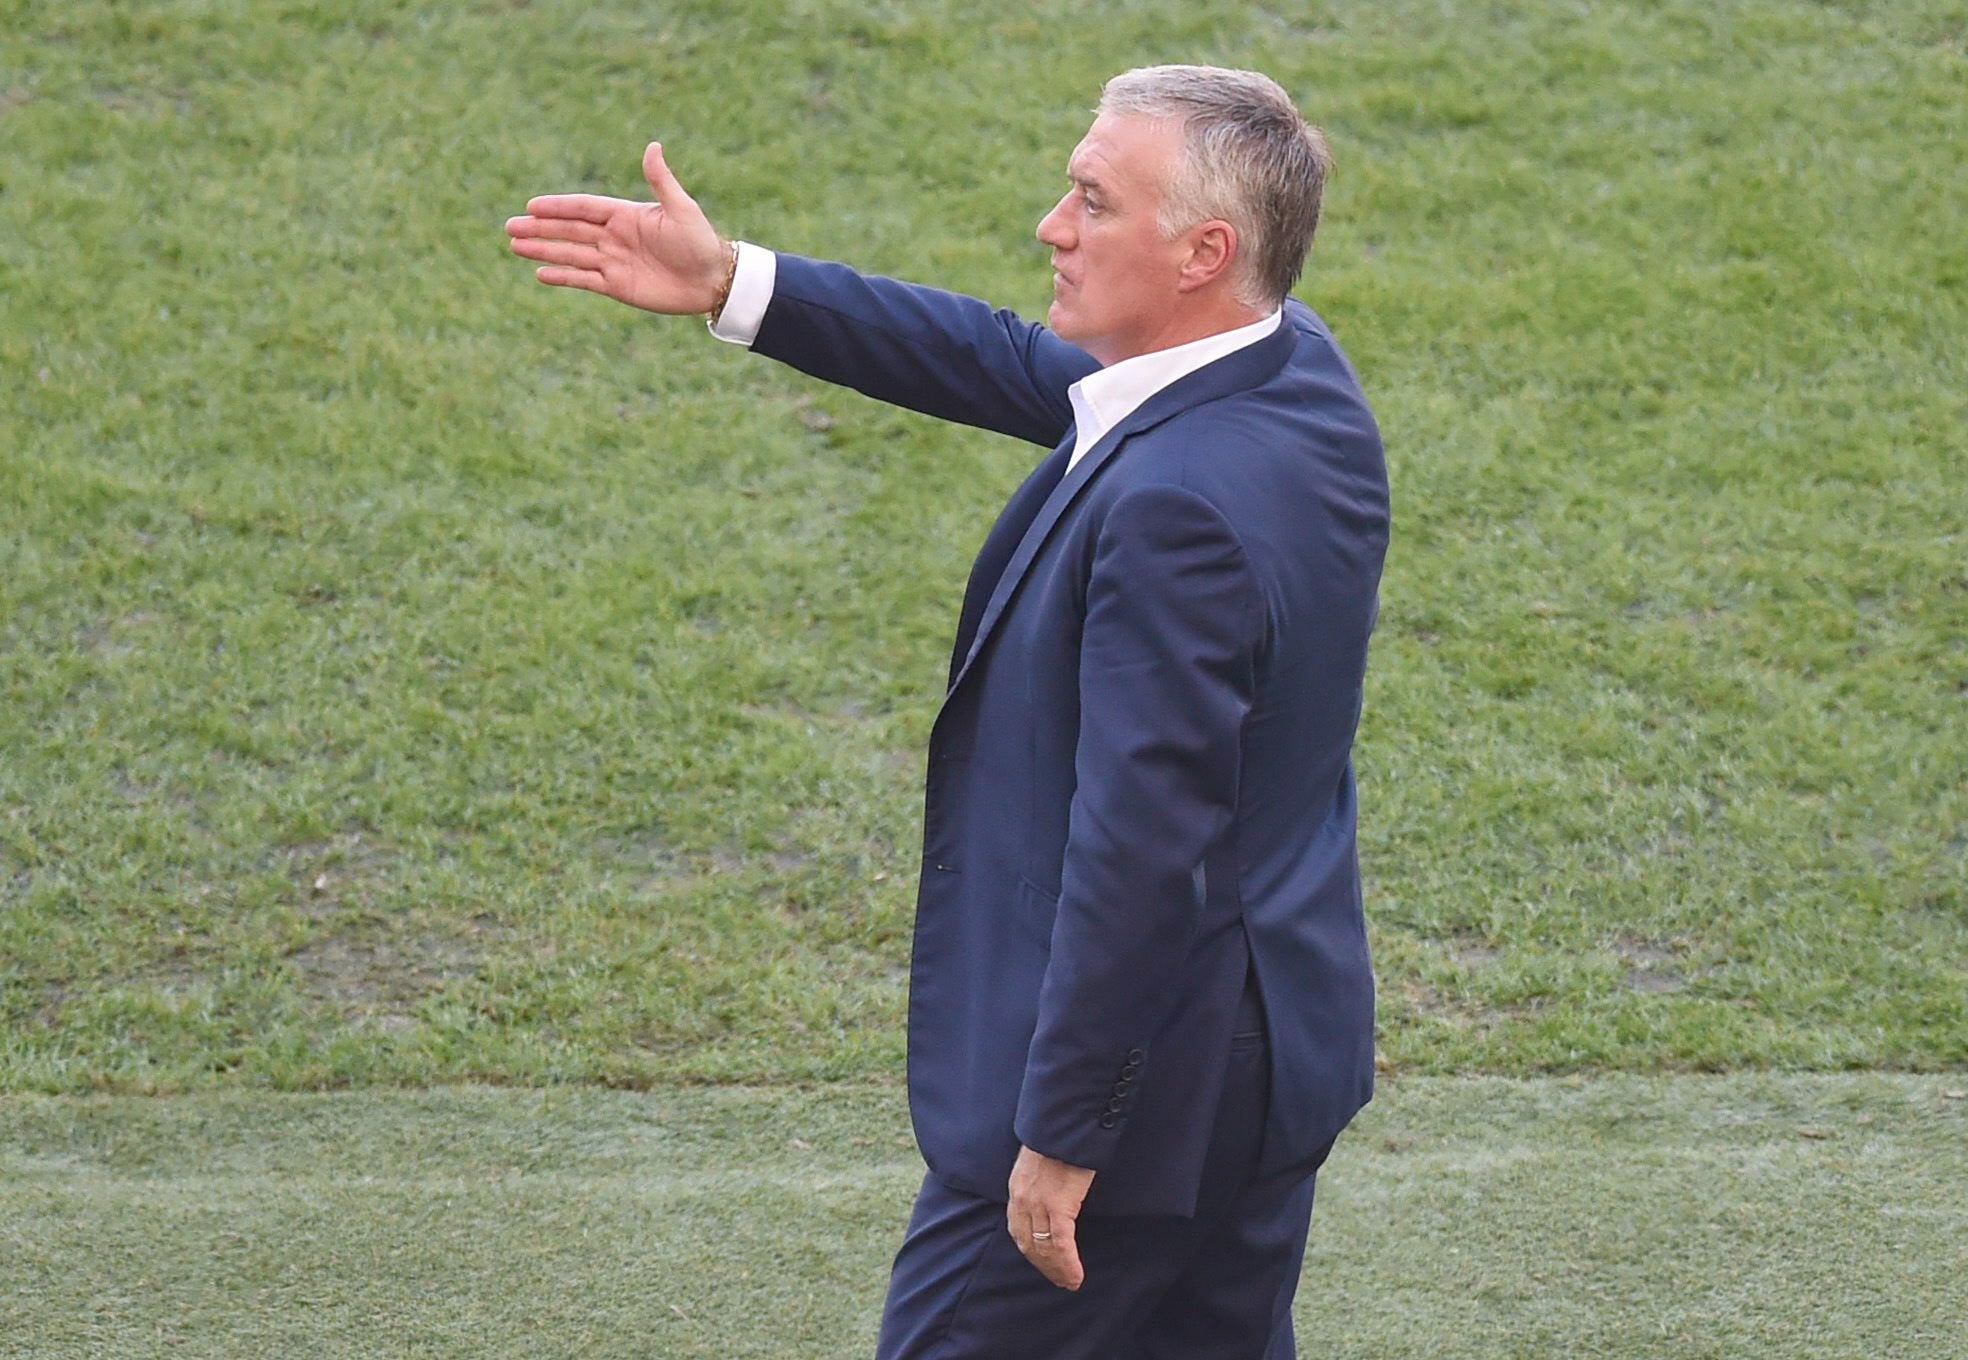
(1140, 1004)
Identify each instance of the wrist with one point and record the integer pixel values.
(729, 273)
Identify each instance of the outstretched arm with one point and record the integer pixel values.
(941, 353)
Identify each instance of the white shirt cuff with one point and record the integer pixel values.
(751, 294)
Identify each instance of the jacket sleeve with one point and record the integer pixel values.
(1168, 661)
(940, 353)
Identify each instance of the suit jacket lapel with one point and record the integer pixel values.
(1234, 372)
(1000, 543)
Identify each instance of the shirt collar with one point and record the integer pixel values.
(1107, 396)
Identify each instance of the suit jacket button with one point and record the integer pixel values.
(1135, 1056)
(1120, 1089)
(1107, 1121)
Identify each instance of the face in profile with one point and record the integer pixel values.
(1114, 275)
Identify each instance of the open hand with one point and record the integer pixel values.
(1045, 1198)
(663, 256)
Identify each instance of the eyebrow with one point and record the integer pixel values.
(1086, 182)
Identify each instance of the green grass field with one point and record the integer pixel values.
(413, 676)
(1806, 1218)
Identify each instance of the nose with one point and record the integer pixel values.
(1053, 227)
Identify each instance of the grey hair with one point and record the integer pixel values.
(1247, 158)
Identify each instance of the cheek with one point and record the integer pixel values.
(1126, 251)
(1104, 250)
(1148, 249)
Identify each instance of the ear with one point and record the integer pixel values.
(1212, 247)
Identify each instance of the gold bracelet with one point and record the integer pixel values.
(724, 289)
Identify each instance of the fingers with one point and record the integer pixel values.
(656, 170)
(556, 228)
(558, 252)
(1048, 1242)
(569, 262)
(1067, 1272)
(559, 276)
(582, 207)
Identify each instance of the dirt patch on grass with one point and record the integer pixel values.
(783, 858)
(362, 976)
(1651, 965)
(1471, 951)
(1463, 1010)
(646, 857)
(334, 872)
(1425, 998)
(53, 994)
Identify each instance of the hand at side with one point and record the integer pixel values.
(663, 256)
(1045, 1198)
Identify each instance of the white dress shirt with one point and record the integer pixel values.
(1101, 400)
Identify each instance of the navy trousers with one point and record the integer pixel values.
(1217, 1286)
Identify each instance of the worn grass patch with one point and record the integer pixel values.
(409, 674)
(1782, 1218)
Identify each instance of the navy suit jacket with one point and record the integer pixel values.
(1139, 784)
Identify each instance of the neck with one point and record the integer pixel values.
(1181, 326)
